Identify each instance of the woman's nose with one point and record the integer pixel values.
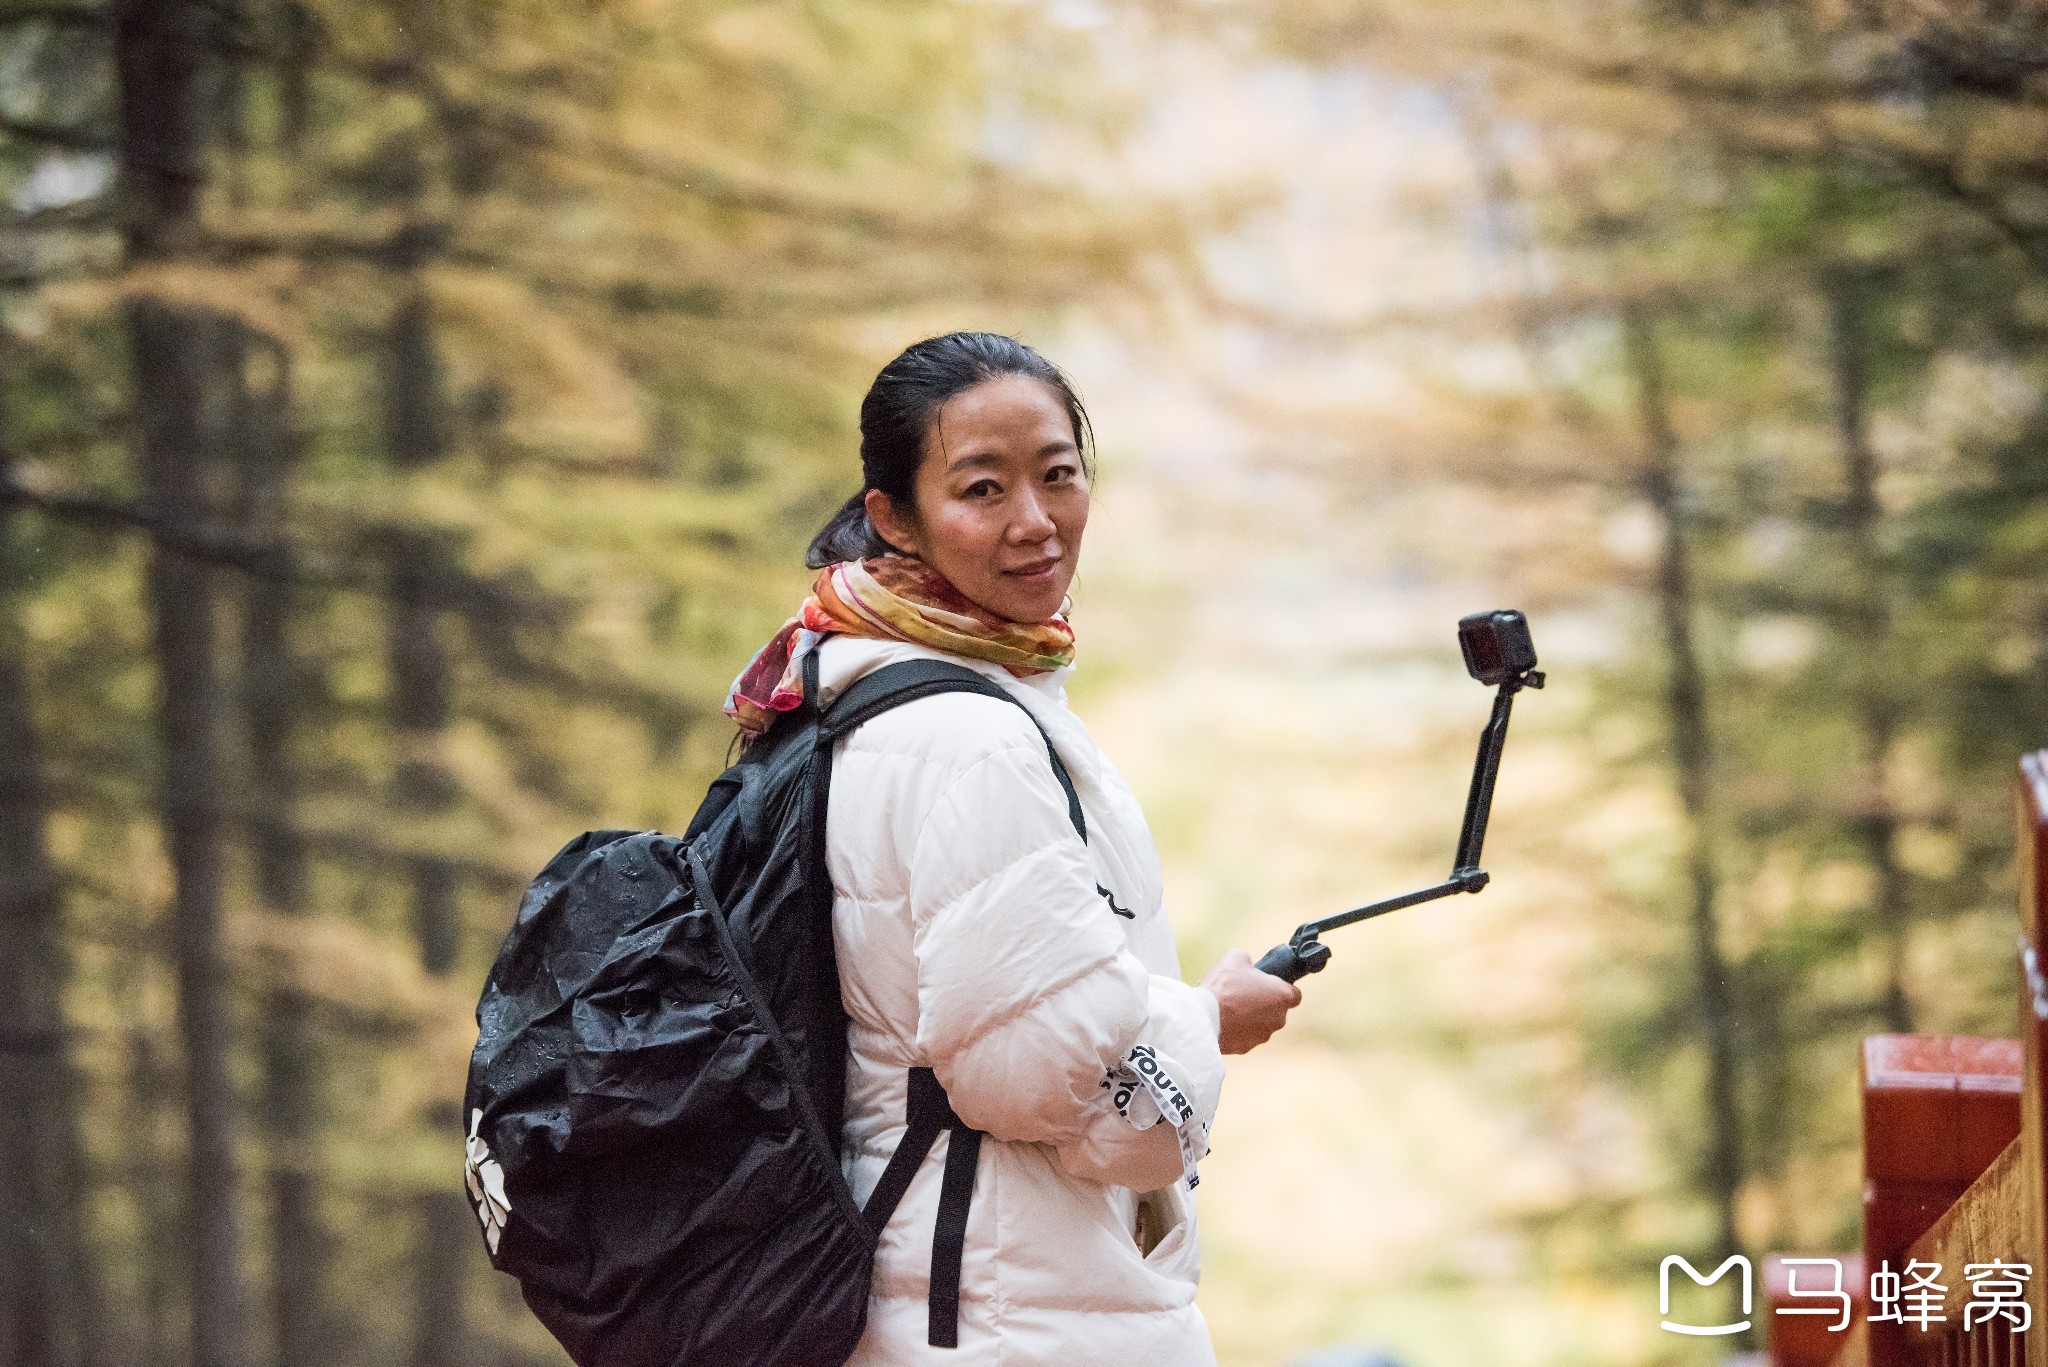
(1031, 523)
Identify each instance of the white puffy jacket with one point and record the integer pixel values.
(974, 939)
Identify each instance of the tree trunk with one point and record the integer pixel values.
(422, 704)
(170, 358)
(257, 375)
(49, 1311)
(163, 49)
(1870, 619)
(152, 1082)
(298, 39)
(1692, 755)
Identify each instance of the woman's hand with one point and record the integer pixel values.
(1253, 1004)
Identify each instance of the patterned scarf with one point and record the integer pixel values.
(889, 598)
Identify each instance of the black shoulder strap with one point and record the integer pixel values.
(894, 685)
(929, 1115)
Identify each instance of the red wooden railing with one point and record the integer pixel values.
(1953, 1179)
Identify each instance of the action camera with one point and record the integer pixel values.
(1497, 648)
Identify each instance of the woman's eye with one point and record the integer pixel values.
(982, 488)
(1060, 474)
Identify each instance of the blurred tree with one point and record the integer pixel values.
(166, 55)
(435, 409)
(417, 435)
(1692, 756)
(48, 1284)
(1831, 213)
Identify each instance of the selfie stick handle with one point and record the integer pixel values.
(1304, 953)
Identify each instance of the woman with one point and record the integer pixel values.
(979, 935)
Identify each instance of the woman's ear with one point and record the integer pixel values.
(895, 529)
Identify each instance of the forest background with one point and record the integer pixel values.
(412, 413)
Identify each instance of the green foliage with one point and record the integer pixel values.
(1830, 213)
(570, 307)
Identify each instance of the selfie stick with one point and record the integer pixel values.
(1498, 653)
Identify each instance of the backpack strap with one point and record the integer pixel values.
(928, 1115)
(894, 685)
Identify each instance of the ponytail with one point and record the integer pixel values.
(849, 535)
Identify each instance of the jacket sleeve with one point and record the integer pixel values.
(1027, 997)
(1181, 1028)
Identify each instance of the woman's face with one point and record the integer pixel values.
(1001, 498)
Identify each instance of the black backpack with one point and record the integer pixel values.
(655, 1100)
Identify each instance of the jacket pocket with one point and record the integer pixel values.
(1167, 1229)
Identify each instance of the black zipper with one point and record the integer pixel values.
(807, 1110)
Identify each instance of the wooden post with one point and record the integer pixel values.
(1920, 1135)
(2033, 1028)
(1938, 1110)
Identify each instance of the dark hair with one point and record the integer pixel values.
(897, 414)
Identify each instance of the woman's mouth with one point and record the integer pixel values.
(1037, 572)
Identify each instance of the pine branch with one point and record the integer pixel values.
(81, 16)
(216, 547)
(514, 663)
(493, 601)
(97, 211)
(68, 137)
(104, 791)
